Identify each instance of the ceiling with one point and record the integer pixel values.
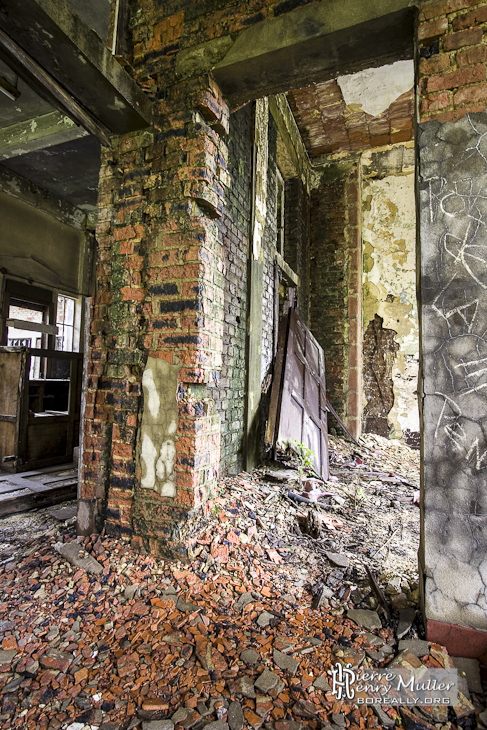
(356, 112)
(68, 170)
(328, 123)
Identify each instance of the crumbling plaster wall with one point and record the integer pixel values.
(389, 288)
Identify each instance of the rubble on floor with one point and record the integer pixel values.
(242, 637)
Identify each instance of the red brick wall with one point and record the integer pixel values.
(160, 263)
(161, 275)
(453, 55)
(159, 294)
(234, 230)
(336, 276)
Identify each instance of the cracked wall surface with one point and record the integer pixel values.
(453, 199)
(389, 289)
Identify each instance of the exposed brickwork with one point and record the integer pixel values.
(269, 249)
(336, 272)
(234, 229)
(453, 57)
(177, 24)
(160, 294)
(166, 288)
(339, 129)
(296, 238)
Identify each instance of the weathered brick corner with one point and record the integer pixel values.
(152, 436)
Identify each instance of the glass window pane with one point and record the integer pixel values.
(69, 311)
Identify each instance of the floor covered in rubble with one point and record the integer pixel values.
(288, 577)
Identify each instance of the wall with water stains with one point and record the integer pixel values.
(390, 316)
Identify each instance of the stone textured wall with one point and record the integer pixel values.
(389, 292)
(335, 285)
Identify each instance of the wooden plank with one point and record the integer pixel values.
(54, 480)
(6, 488)
(23, 413)
(120, 46)
(12, 376)
(39, 132)
(22, 503)
(39, 487)
(16, 482)
(275, 403)
(333, 412)
(45, 470)
(45, 352)
(301, 414)
(79, 61)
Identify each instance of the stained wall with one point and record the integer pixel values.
(390, 312)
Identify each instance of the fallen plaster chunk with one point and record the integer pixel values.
(406, 618)
(286, 663)
(338, 559)
(365, 619)
(419, 647)
(77, 556)
(235, 716)
(471, 669)
(266, 681)
(264, 619)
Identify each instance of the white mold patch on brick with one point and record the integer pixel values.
(157, 449)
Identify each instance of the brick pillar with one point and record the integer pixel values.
(150, 462)
(336, 285)
(353, 233)
(452, 174)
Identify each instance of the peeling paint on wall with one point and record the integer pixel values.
(375, 89)
(389, 235)
(157, 450)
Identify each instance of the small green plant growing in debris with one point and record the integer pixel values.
(304, 455)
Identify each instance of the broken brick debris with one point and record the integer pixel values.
(216, 644)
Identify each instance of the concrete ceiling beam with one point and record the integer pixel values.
(314, 43)
(37, 133)
(77, 60)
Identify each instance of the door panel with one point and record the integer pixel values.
(298, 400)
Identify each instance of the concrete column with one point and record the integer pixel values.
(452, 180)
(453, 245)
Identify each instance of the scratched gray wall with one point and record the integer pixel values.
(453, 245)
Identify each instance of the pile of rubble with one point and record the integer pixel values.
(278, 591)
